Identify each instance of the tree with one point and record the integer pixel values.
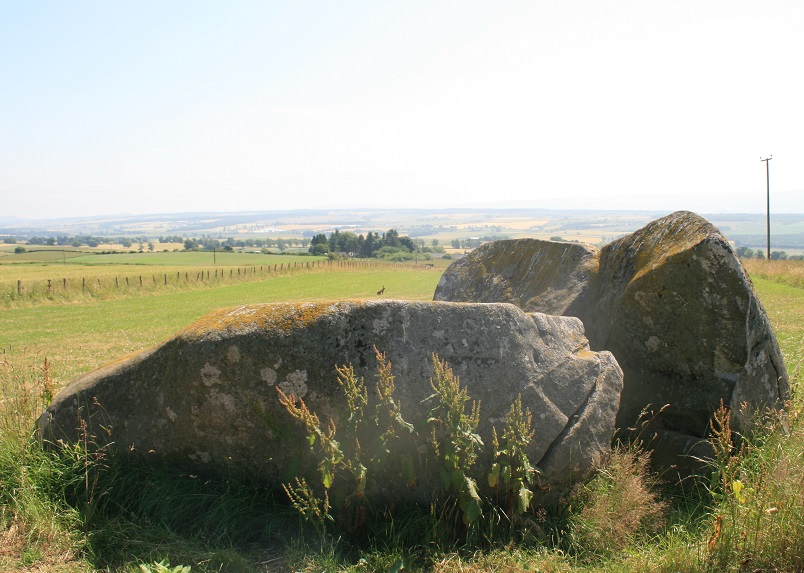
(19, 250)
(319, 245)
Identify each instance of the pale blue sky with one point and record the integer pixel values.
(139, 107)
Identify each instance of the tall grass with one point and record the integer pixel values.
(785, 272)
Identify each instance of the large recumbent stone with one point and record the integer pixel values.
(206, 400)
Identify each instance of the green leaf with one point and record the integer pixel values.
(470, 487)
(524, 498)
(494, 476)
(327, 475)
(408, 470)
(397, 567)
(506, 473)
(472, 512)
(456, 480)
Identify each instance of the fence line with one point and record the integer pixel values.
(46, 288)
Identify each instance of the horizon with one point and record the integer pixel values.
(157, 108)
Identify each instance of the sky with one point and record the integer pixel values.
(168, 106)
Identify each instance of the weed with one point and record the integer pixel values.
(512, 471)
(163, 567)
(453, 438)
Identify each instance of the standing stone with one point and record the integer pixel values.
(670, 301)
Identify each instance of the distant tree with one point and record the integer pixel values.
(125, 242)
(407, 243)
(369, 245)
(9, 240)
(19, 250)
(93, 242)
(778, 256)
(745, 253)
(319, 244)
(456, 243)
(150, 246)
(190, 244)
(760, 254)
(51, 241)
(434, 242)
(391, 238)
(76, 243)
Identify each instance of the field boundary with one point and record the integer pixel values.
(62, 289)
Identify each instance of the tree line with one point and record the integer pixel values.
(389, 245)
(749, 253)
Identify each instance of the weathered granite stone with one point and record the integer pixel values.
(207, 400)
(670, 301)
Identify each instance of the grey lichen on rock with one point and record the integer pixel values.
(207, 399)
(670, 301)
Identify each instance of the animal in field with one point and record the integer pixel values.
(381, 291)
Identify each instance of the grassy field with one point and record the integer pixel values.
(81, 336)
(77, 513)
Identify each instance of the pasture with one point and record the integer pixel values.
(47, 516)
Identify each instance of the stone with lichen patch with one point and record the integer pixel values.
(670, 301)
(202, 406)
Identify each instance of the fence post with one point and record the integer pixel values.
(64, 282)
(140, 280)
(126, 282)
(48, 285)
(83, 284)
(165, 279)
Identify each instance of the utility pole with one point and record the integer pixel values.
(767, 178)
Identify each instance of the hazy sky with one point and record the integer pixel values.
(159, 106)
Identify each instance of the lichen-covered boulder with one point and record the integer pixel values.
(535, 275)
(207, 399)
(670, 301)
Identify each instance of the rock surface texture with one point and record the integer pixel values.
(207, 399)
(670, 301)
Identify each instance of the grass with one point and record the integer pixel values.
(79, 511)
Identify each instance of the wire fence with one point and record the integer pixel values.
(103, 286)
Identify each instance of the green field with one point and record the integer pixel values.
(79, 337)
(45, 526)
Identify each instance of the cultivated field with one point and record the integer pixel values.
(77, 511)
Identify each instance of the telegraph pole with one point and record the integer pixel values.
(767, 178)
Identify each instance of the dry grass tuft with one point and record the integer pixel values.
(617, 507)
(504, 561)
